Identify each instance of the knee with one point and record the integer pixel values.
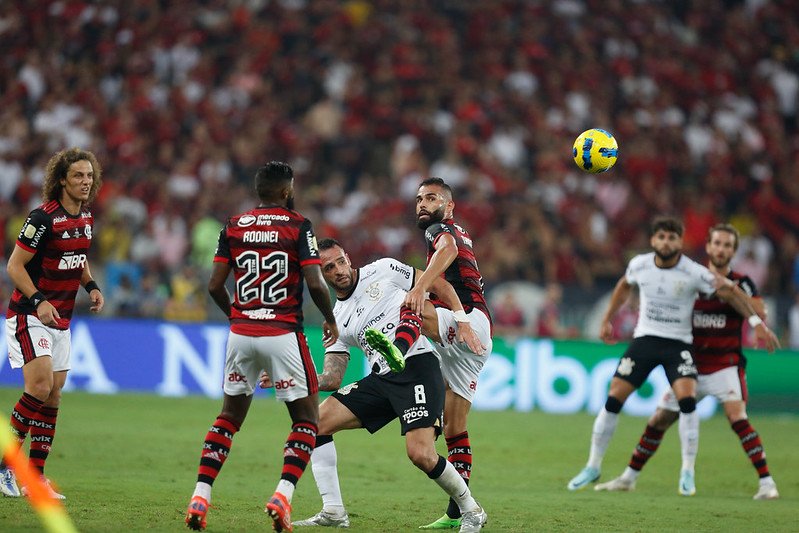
(236, 418)
(613, 405)
(662, 419)
(54, 400)
(41, 389)
(687, 405)
(423, 458)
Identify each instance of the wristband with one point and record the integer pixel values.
(754, 321)
(91, 286)
(36, 298)
(460, 316)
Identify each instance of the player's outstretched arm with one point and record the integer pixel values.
(335, 366)
(743, 303)
(320, 295)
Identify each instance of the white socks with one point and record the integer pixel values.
(286, 488)
(325, 471)
(604, 427)
(629, 474)
(203, 490)
(454, 485)
(689, 439)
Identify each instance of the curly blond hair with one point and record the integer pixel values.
(57, 169)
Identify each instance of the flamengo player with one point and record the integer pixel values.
(719, 358)
(48, 265)
(270, 250)
(450, 254)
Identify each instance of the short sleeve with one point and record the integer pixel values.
(398, 273)
(222, 254)
(434, 231)
(749, 287)
(706, 280)
(630, 273)
(308, 251)
(35, 230)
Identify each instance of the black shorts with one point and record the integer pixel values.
(415, 395)
(647, 352)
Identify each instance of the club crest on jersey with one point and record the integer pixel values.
(374, 292)
(87, 230)
(246, 220)
(679, 288)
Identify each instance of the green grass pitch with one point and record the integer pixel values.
(129, 462)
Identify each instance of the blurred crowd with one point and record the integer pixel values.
(183, 100)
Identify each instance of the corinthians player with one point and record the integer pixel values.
(668, 283)
(721, 364)
(371, 298)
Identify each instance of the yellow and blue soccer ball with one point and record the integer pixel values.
(595, 151)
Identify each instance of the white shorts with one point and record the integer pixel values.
(459, 365)
(28, 339)
(286, 358)
(726, 385)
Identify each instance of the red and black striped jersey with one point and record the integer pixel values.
(60, 243)
(717, 330)
(463, 274)
(267, 248)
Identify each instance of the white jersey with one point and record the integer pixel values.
(375, 302)
(668, 295)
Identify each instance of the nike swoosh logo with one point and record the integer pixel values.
(347, 323)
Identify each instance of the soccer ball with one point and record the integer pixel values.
(595, 151)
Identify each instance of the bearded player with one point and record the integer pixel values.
(450, 255)
(717, 329)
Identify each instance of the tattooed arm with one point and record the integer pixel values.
(333, 375)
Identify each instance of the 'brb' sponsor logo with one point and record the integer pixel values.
(72, 262)
(284, 384)
(235, 377)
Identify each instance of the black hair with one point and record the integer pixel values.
(666, 224)
(272, 177)
(327, 244)
(438, 182)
